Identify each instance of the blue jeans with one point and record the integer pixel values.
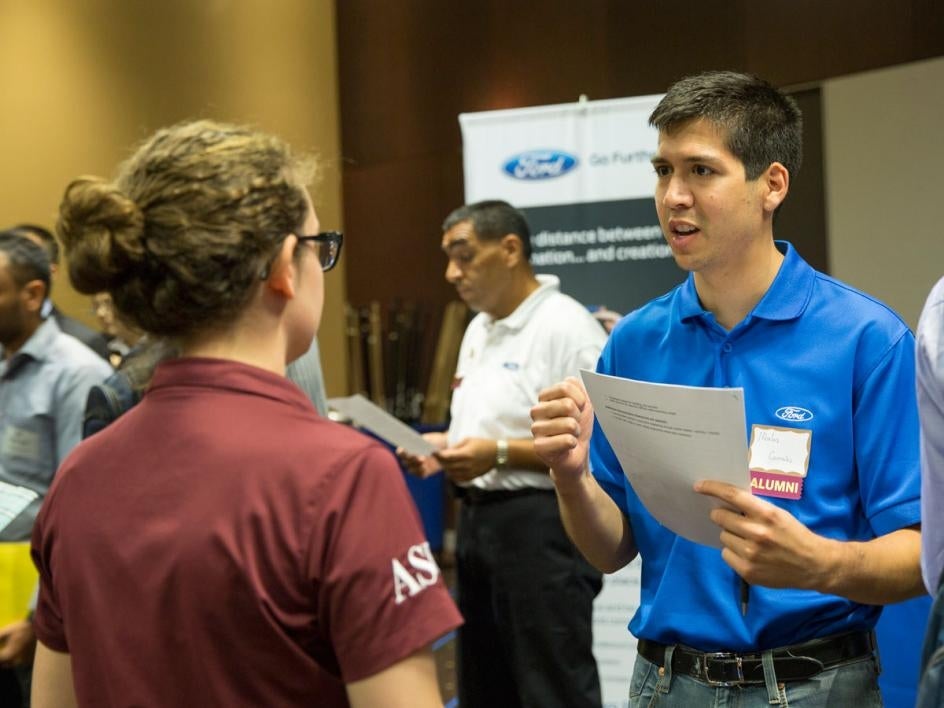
(853, 684)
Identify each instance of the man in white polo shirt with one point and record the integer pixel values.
(526, 593)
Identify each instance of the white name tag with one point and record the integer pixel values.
(18, 442)
(785, 450)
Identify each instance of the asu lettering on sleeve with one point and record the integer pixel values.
(415, 575)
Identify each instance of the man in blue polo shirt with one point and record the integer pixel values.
(817, 359)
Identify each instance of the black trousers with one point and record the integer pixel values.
(527, 597)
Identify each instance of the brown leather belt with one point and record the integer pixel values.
(794, 663)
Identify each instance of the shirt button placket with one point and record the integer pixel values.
(724, 364)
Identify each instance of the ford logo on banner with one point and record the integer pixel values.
(794, 414)
(540, 164)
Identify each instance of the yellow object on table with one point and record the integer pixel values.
(18, 578)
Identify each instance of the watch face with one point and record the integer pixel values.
(501, 454)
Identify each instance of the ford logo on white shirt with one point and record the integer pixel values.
(539, 164)
(794, 414)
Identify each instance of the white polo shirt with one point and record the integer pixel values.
(504, 364)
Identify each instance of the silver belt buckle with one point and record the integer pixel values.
(722, 656)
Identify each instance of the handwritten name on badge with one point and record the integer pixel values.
(779, 461)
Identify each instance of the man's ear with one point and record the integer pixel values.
(512, 248)
(282, 272)
(33, 295)
(776, 184)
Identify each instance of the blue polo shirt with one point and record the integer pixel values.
(811, 343)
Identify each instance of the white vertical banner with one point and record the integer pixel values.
(613, 646)
(582, 174)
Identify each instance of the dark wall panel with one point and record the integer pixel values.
(802, 218)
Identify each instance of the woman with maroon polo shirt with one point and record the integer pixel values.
(221, 544)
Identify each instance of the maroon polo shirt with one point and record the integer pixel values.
(222, 544)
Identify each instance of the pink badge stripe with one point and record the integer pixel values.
(771, 484)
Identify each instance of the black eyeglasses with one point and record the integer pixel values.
(329, 247)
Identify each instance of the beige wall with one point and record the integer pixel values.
(884, 181)
(83, 81)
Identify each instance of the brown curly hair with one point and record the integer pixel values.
(181, 236)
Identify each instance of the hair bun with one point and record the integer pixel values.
(102, 230)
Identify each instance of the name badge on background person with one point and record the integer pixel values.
(779, 461)
(19, 442)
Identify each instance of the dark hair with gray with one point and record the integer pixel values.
(493, 220)
(45, 235)
(762, 124)
(181, 236)
(27, 259)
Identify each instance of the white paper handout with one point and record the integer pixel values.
(366, 414)
(666, 438)
(13, 500)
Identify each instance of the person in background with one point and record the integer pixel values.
(526, 593)
(606, 317)
(306, 373)
(930, 386)
(71, 326)
(45, 377)
(125, 388)
(125, 341)
(822, 558)
(120, 338)
(255, 553)
(930, 378)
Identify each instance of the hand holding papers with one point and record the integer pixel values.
(667, 438)
(370, 416)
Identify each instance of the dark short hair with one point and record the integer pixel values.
(762, 124)
(28, 260)
(493, 220)
(45, 235)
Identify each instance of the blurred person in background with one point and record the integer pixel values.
(524, 590)
(45, 377)
(71, 326)
(135, 366)
(929, 366)
(120, 338)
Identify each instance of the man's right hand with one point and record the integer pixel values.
(562, 423)
(423, 466)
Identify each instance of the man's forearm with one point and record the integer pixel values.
(877, 572)
(595, 524)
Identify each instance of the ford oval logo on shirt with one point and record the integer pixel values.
(540, 164)
(794, 414)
